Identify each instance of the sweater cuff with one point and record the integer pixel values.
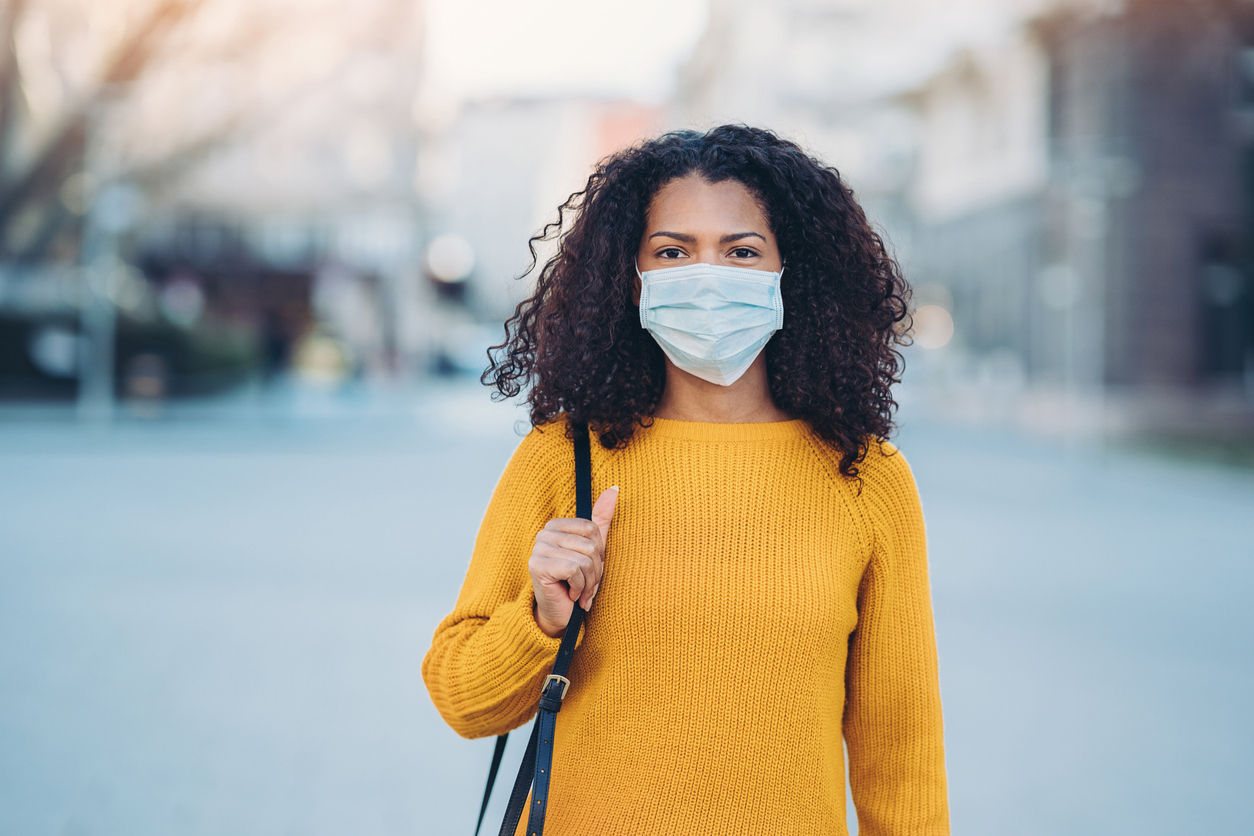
(531, 643)
(530, 609)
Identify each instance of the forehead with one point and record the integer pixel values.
(693, 203)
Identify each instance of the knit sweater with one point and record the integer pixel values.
(757, 608)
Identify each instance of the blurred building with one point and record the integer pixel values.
(1083, 195)
(975, 196)
(305, 222)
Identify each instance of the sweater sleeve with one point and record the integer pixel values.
(488, 658)
(893, 712)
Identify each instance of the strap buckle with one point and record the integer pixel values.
(555, 678)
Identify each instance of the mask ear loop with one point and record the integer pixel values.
(643, 295)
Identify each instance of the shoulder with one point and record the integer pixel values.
(885, 473)
(883, 468)
(545, 451)
(890, 498)
(537, 480)
(883, 490)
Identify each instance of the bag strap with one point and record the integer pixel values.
(497, 754)
(536, 768)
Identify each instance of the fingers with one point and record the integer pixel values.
(573, 525)
(603, 511)
(570, 553)
(552, 565)
(570, 542)
(584, 553)
(598, 526)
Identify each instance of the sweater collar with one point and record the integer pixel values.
(724, 433)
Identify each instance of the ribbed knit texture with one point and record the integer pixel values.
(756, 608)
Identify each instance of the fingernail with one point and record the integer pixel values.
(613, 487)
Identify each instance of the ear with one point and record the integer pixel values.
(635, 291)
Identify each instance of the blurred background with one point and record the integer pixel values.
(252, 255)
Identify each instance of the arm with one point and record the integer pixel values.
(892, 711)
(489, 657)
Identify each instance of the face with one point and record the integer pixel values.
(692, 221)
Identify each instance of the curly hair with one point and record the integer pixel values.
(576, 344)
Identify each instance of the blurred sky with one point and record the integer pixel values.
(490, 48)
(495, 48)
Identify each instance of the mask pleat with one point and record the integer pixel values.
(711, 320)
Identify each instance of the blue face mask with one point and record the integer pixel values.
(712, 321)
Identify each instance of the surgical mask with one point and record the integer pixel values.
(712, 321)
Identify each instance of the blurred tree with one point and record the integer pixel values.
(96, 91)
(35, 203)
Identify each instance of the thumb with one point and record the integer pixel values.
(603, 510)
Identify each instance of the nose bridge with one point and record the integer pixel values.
(708, 252)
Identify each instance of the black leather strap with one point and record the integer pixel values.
(497, 754)
(583, 471)
(522, 785)
(537, 764)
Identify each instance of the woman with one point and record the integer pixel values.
(760, 546)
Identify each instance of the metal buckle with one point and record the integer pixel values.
(555, 678)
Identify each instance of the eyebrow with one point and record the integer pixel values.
(692, 239)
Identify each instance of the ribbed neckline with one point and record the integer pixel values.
(710, 432)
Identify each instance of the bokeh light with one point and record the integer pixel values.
(933, 327)
(450, 258)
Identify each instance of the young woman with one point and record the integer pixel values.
(759, 545)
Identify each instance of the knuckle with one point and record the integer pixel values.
(547, 558)
(581, 545)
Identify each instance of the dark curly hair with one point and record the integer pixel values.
(577, 342)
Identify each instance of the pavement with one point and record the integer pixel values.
(212, 621)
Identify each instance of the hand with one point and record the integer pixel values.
(567, 562)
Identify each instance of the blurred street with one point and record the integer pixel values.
(213, 623)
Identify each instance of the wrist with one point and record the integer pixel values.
(553, 631)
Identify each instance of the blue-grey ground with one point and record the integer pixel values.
(213, 623)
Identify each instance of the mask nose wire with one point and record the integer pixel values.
(636, 263)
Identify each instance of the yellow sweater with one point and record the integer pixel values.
(755, 609)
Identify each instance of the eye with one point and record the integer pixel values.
(670, 253)
(744, 252)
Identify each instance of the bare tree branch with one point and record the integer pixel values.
(148, 176)
(8, 74)
(55, 220)
(49, 169)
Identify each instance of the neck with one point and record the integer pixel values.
(687, 397)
